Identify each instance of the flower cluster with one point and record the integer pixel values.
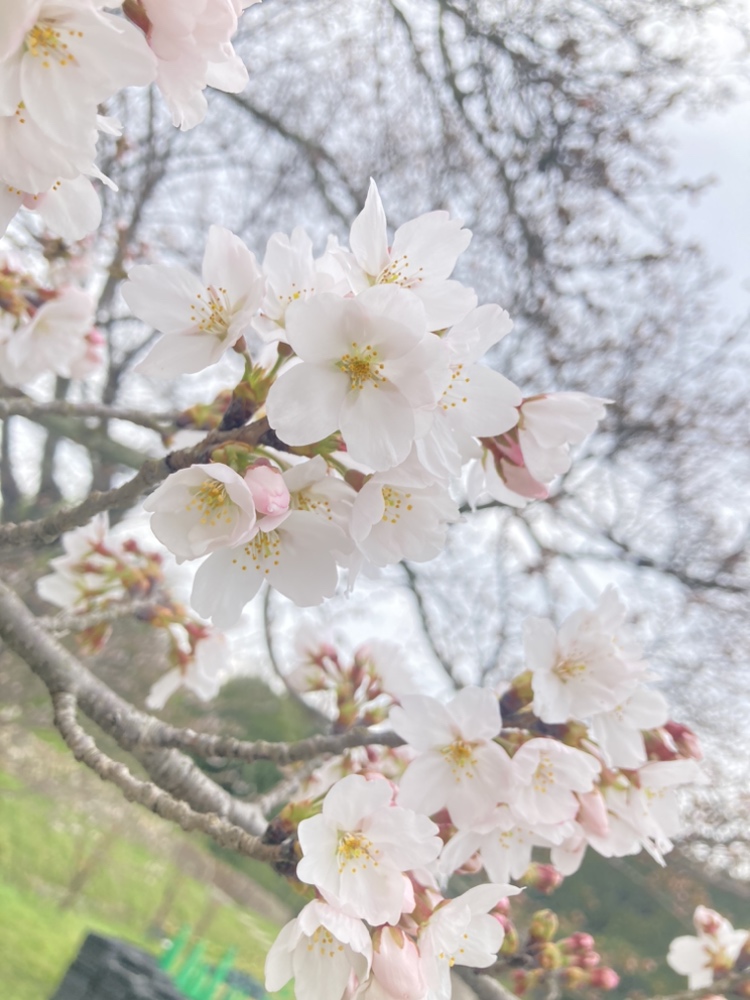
(715, 951)
(485, 781)
(61, 59)
(377, 398)
(379, 927)
(44, 329)
(97, 573)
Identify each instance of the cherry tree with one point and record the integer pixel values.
(355, 408)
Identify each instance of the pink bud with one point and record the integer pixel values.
(395, 964)
(604, 978)
(270, 492)
(707, 921)
(685, 740)
(543, 878)
(592, 814)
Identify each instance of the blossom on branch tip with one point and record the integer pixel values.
(321, 948)
(422, 257)
(459, 767)
(200, 318)
(713, 952)
(201, 509)
(367, 364)
(356, 851)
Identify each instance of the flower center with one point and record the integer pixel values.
(394, 501)
(362, 366)
(211, 312)
(568, 670)
(398, 273)
(325, 942)
(262, 551)
(354, 851)
(460, 756)
(210, 500)
(544, 774)
(44, 41)
(456, 388)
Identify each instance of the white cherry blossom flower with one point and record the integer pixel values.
(368, 364)
(461, 931)
(69, 208)
(547, 774)
(503, 842)
(201, 509)
(517, 466)
(200, 317)
(204, 675)
(713, 951)
(320, 949)
(192, 40)
(459, 766)
(619, 732)
(356, 850)
(291, 274)
(423, 256)
(54, 339)
(394, 519)
(587, 667)
(60, 60)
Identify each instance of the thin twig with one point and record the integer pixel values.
(147, 794)
(153, 471)
(447, 666)
(230, 748)
(29, 408)
(70, 621)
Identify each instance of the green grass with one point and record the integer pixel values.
(42, 842)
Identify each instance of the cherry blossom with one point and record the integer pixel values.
(291, 274)
(201, 509)
(422, 257)
(619, 732)
(714, 950)
(587, 667)
(205, 673)
(320, 949)
(367, 365)
(356, 850)
(393, 518)
(517, 466)
(461, 931)
(503, 842)
(547, 775)
(56, 338)
(192, 42)
(200, 317)
(459, 766)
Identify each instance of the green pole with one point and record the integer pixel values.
(175, 949)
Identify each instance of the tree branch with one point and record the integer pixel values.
(31, 409)
(62, 672)
(147, 794)
(152, 471)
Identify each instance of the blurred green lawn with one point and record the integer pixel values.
(41, 840)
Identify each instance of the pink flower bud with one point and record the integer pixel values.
(707, 921)
(685, 740)
(543, 878)
(270, 492)
(604, 978)
(592, 814)
(395, 964)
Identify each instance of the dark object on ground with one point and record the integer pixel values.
(108, 969)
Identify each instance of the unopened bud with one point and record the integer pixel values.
(543, 878)
(580, 941)
(604, 978)
(707, 921)
(573, 977)
(549, 957)
(511, 940)
(685, 740)
(520, 982)
(544, 926)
